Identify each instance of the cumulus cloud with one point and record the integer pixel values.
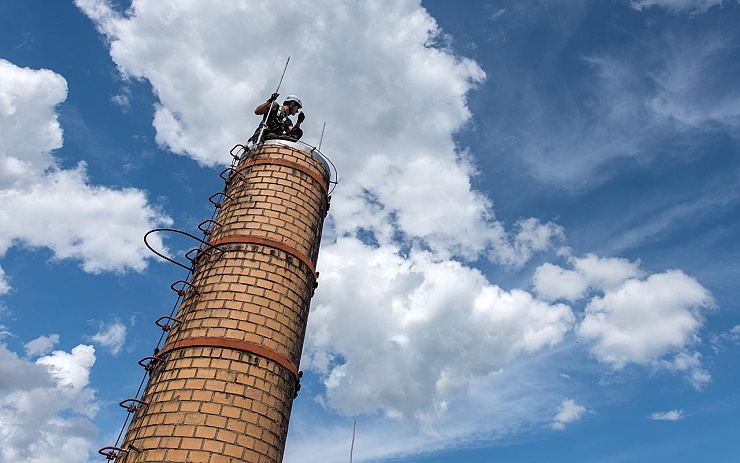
(670, 415)
(630, 318)
(529, 237)
(15, 371)
(568, 412)
(643, 321)
(552, 282)
(402, 176)
(111, 336)
(42, 205)
(404, 336)
(41, 345)
(46, 406)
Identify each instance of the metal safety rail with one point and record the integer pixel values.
(167, 322)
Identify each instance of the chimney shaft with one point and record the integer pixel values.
(224, 387)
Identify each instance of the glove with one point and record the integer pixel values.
(301, 117)
(273, 97)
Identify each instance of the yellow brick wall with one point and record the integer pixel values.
(224, 390)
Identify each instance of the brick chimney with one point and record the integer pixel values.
(222, 387)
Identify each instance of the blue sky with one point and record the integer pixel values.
(532, 253)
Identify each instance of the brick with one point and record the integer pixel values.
(184, 430)
(170, 442)
(198, 457)
(210, 408)
(191, 443)
(154, 455)
(169, 407)
(245, 441)
(233, 451)
(213, 446)
(220, 459)
(237, 426)
(224, 435)
(194, 418)
(194, 384)
(216, 421)
(254, 431)
(189, 407)
(148, 443)
(174, 418)
(261, 447)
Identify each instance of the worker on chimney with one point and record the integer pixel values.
(275, 119)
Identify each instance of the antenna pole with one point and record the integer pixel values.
(322, 136)
(352, 448)
(267, 116)
(281, 77)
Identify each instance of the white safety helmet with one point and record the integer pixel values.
(290, 98)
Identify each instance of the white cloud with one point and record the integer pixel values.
(42, 205)
(70, 368)
(684, 94)
(631, 319)
(699, 6)
(735, 333)
(670, 415)
(402, 177)
(657, 222)
(27, 101)
(690, 365)
(606, 274)
(122, 99)
(687, 91)
(552, 282)
(530, 237)
(568, 412)
(718, 340)
(46, 407)
(16, 372)
(643, 320)
(111, 336)
(520, 398)
(4, 285)
(639, 103)
(41, 345)
(405, 336)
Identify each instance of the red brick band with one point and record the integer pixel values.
(234, 345)
(294, 165)
(267, 242)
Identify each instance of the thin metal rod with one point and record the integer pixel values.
(281, 77)
(322, 136)
(269, 110)
(352, 448)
